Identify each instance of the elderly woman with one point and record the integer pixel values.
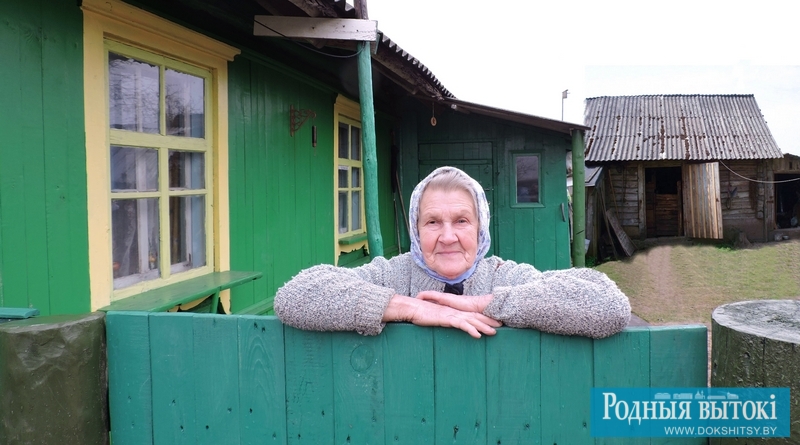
(446, 280)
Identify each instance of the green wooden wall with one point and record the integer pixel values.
(43, 218)
(201, 378)
(281, 187)
(536, 235)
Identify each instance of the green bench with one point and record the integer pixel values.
(167, 297)
(17, 313)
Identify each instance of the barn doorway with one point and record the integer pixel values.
(663, 201)
(787, 198)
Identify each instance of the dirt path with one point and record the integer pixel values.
(659, 267)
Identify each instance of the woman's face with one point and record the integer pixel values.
(448, 231)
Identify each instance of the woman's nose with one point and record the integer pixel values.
(448, 234)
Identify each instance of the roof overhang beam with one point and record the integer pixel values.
(316, 28)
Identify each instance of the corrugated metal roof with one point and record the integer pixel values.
(388, 48)
(677, 127)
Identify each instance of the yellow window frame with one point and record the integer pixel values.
(108, 23)
(348, 112)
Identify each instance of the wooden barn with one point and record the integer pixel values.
(699, 166)
(156, 152)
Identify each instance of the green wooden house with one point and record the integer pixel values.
(148, 144)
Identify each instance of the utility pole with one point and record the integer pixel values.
(563, 96)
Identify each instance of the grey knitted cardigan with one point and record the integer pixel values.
(570, 302)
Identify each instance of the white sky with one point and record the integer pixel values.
(521, 54)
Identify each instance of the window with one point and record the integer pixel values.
(348, 177)
(158, 166)
(526, 179)
(156, 151)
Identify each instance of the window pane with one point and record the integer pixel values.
(134, 169)
(355, 143)
(356, 211)
(356, 177)
(133, 94)
(185, 97)
(343, 176)
(135, 245)
(527, 178)
(187, 170)
(344, 144)
(187, 231)
(343, 211)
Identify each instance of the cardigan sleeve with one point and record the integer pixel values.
(581, 301)
(330, 298)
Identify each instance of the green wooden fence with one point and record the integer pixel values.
(216, 379)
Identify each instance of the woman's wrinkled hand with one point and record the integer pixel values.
(422, 312)
(469, 303)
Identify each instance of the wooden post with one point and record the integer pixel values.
(578, 201)
(368, 141)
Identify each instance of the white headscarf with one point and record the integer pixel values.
(481, 207)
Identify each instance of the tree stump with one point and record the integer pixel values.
(757, 344)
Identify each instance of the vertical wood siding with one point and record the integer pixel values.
(249, 379)
(281, 187)
(43, 217)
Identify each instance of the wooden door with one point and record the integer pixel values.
(701, 201)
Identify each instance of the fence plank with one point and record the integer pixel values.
(678, 358)
(129, 392)
(216, 362)
(460, 387)
(513, 388)
(408, 392)
(173, 369)
(566, 389)
(309, 387)
(623, 361)
(358, 389)
(262, 390)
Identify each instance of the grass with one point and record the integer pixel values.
(683, 282)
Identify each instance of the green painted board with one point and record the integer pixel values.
(309, 387)
(32, 159)
(566, 389)
(64, 167)
(678, 358)
(623, 361)
(408, 365)
(262, 390)
(129, 378)
(514, 394)
(460, 390)
(216, 364)
(174, 378)
(13, 251)
(358, 389)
